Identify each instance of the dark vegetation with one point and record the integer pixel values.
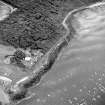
(35, 24)
(17, 96)
(17, 58)
(31, 26)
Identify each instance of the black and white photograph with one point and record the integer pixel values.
(52, 52)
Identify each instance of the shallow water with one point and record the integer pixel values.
(77, 78)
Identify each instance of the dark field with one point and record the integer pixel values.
(37, 23)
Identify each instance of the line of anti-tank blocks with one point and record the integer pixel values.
(18, 92)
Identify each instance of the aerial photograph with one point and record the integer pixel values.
(52, 52)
